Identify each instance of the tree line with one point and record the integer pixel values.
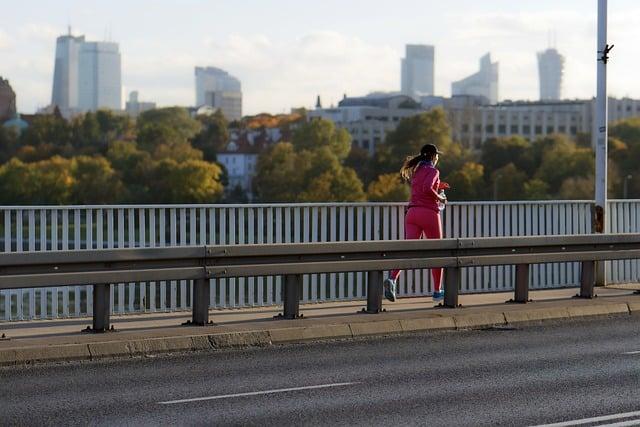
(166, 156)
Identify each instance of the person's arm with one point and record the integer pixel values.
(430, 185)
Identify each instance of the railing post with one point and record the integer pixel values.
(374, 292)
(587, 279)
(451, 286)
(201, 295)
(522, 284)
(101, 307)
(291, 296)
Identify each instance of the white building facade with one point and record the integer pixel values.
(483, 83)
(472, 122)
(417, 70)
(368, 119)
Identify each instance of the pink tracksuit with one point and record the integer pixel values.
(423, 215)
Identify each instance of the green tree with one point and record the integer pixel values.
(322, 133)
(213, 137)
(342, 185)
(467, 182)
(536, 189)
(9, 144)
(508, 182)
(170, 126)
(50, 135)
(388, 188)
(135, 169)
(559, 159)
(15, 183)
(280, 173)
(364, 166)
(577, 188)
(286, 175)
(499, 152)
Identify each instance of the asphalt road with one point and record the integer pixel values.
(527, 376)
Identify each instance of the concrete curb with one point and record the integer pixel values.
(457, 320)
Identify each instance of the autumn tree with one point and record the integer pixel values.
(388, 188)
(95, 181)
(467, 182)
(192, 181)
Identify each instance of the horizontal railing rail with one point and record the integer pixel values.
(89, 227)
(100, 268)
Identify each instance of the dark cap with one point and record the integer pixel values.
(430, 150)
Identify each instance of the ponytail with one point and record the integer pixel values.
(409, 166)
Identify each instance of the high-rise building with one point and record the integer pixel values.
(550, 70)
(418, 71)
(87, 75)
(99, 78)
(65, 74)
(7, 101)
(135, 107)
(483, 83)
(219, 89)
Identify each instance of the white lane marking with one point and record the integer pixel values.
(622, 424)
(256, 393)
(632, 352)
(595, 420)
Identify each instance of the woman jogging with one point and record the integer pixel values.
(423, 213)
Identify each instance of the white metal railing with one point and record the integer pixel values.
(46, 228)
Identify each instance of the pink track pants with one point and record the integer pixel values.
(419, 222)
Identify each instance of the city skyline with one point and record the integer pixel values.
(283, 66)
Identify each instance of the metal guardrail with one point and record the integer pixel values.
(54, 228)
(100, 268)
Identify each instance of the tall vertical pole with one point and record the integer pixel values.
(600, 134)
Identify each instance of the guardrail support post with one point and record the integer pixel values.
(587, 279)
(201, 295)
(522, 284)
(291, 296)
(101, 307)
(374, 292)
(451, 286)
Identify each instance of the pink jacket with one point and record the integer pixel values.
(424, 187)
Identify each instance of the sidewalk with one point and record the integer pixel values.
(153, 333)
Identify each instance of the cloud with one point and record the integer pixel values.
(275, 75)
(292, 73)
(42, 33)
(5, 41)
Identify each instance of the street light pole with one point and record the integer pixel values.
(600, 133)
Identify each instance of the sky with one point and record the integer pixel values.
(287, 52)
